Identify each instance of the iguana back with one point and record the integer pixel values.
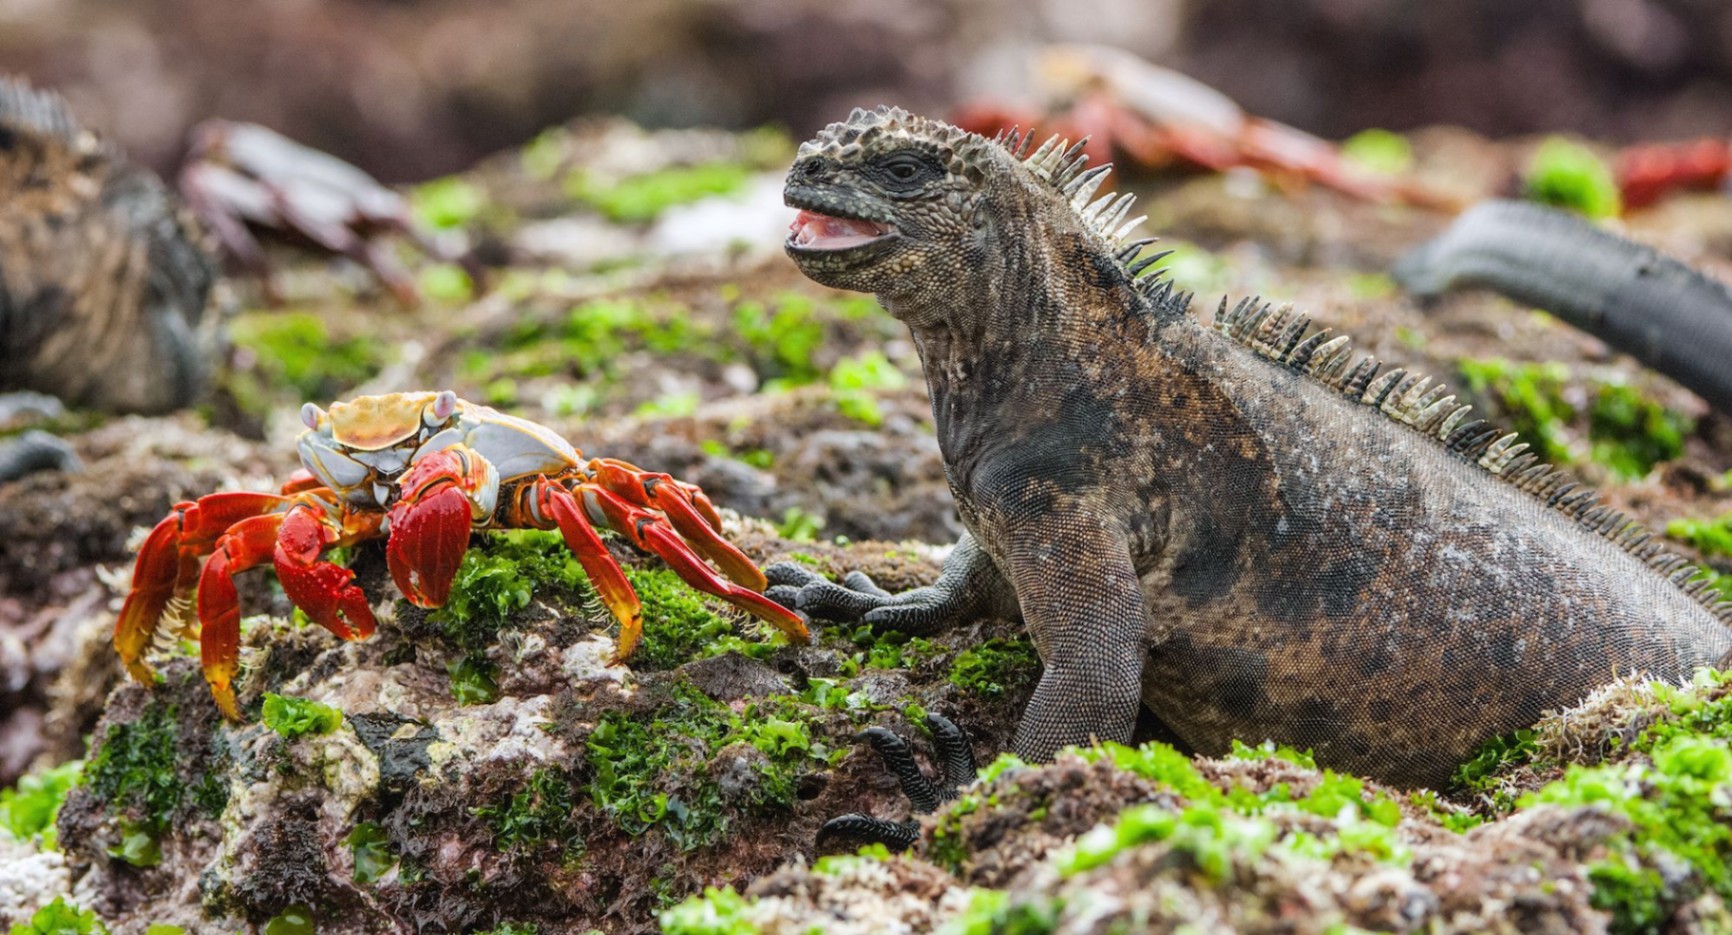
(1389, 602)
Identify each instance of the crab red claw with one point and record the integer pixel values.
(324, 591)
(443, 494)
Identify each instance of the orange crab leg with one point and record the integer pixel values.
(246, 544)
(325, 591)
(430, 524)
(653, 534)
(167, 567)
(674, 499)
(604, 573)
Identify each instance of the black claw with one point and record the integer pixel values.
(785, 594)
(953, 752)
(899, 836)
(909, 617)
(789, 574)
(922, 794)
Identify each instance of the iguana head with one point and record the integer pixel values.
(888, 200)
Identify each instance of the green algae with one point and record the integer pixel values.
(537, 816)
(717, 911)
(679, 624)
(855, 383)
(370, 848)
(61, 918)
(1679, 817)
(995, 667)
(135, 766)
(688, 804)
(1628, 432)
(1379, 151)
(992, 912)
(31, 807)
(447, 203)
(292, 718)
(296, 351)
(1568, 175)
(1667, 775)
(642, 198)
(498, 577)
(781, 338)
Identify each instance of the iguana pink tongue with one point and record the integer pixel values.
(823, 232)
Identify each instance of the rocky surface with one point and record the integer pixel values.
(482, 768)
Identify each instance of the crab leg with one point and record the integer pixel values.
(675, 500)
(245, 544)
(302, 481)
(443, 495)
(652, 533)
(605, 575)
(168, 567)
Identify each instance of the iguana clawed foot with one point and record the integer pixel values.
(956, 770)
(858, 599)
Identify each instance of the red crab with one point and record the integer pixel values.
(425, 469)
(1151, 117)
(241, 174)
(1647, 172)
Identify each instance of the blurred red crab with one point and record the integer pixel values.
(422, 470)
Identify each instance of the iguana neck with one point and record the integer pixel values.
(1029, 323)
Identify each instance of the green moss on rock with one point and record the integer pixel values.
(996, 667)
(538, 815)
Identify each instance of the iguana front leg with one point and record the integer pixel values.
(1088, 625)
(1083, 602)
(970, 587)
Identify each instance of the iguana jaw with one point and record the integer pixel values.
(828, 233)
(824, 234)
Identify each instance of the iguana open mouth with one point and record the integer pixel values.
(814, 231)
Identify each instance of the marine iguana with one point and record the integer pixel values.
(103, 286)
(1245, 527)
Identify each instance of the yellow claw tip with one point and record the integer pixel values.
(225, 702)
(141, 673)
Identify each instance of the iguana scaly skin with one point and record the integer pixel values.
(103, 288)
(1243, 527)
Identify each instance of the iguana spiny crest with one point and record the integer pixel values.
(893, 202)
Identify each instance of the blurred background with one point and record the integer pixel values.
(408, 89)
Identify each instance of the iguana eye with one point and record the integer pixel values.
(906, 171)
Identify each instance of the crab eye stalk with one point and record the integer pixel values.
(442, 407)
(312, 415)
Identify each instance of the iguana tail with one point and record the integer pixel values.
(1643, 303)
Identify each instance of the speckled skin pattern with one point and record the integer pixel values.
(103, 288)
(1184, 524)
